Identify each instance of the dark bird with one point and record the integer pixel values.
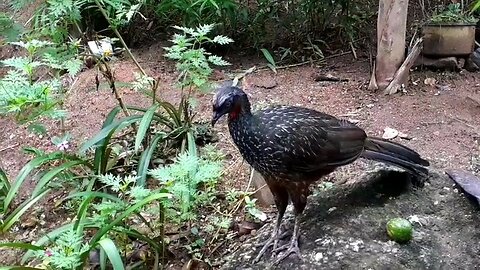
(292, 147)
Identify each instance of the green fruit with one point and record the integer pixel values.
(399, 230)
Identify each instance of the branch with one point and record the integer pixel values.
(403, 70)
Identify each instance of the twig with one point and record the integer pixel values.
(353, 50)
(252, 170)
(9, 147)
(303, 63)
(475, 128)
(108, 74)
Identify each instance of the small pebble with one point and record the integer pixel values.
(318, 256)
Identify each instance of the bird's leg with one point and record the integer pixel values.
(273, 240)
(298, 194)
(281, 201)
(293, 246)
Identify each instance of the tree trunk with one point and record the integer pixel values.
(391, 29)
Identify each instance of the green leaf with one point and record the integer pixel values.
(112, 252)
(4, 183)
(108, 131)
(18, 212)
(126, 213)
(25, 246)
(222, 40)
(26, 170)
(101, 155)
(145, 159)
(19, 268)
(269, 57)
(53, 173)
(144, 126)
(37, 128)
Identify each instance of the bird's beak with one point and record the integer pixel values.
(215, 118)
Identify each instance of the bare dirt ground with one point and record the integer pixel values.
(441, 121)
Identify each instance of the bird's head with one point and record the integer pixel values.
(229, 100)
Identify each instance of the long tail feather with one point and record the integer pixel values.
(395, 154)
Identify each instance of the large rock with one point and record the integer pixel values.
(344, 227)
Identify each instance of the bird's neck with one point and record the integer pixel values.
(241, 111)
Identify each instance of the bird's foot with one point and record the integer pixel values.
(272, 241)
(291, 248)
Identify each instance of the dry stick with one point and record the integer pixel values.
(9, 147)
(108, 74)
(353, 50)
(306, 62)
(403, 70)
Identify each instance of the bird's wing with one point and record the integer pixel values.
(306, 140)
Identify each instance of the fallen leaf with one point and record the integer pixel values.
(389, 133)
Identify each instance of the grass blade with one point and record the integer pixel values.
(144, 126)
(18, 212)
(192, 147)
(52, 173)
(112, 252)
(4, 183)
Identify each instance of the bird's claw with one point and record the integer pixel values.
(272, 241)
(291, 248)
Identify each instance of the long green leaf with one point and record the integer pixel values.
(53, 173)
(15, 215)
(144, 126)
(112, 252)
(26, 170)
(81, 214)
(25, 246)
(94, 194)
(100, 151)
(19, 268)
(4, 185)
(269, 57)
(107, 131)
(174, 114)
(145, 159)
(192, 147)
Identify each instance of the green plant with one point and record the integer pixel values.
(9, 30)
(67, 248)
(453, 13)
(190, 13)
(26, 90)
(193, 61)
(191, 180)
(11, 214)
